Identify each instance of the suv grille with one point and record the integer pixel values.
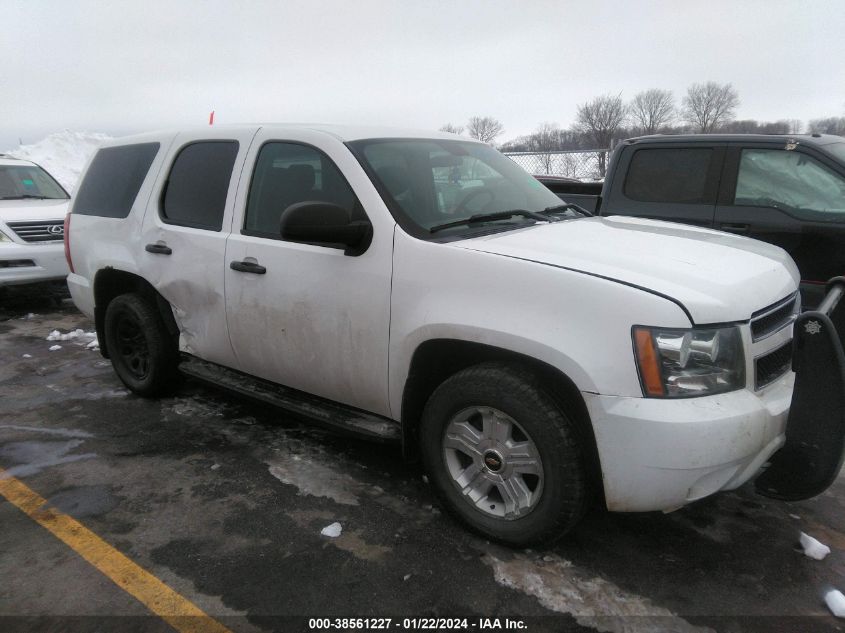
(772, 366)
(769, 320)
(40, 231)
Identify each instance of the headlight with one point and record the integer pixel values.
(4, 237)
(693, 362)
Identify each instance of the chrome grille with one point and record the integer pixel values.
(40, 231)
(771, 366)
(769, 320)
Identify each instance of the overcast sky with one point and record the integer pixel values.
(122, 67)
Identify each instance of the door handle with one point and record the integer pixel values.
(734, 228)
(248, 267)
(159, 248)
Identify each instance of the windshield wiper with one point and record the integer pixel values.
(25, 196)
(490, 217)
(568, 205)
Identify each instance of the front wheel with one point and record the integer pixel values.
(143, 354)
(502, 456)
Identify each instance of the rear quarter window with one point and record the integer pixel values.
(676, 175)
(113, 180)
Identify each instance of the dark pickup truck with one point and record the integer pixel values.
(786, 190)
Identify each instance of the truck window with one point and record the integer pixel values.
(287, 173)
(792, 181)
(676, 175)
(113, 180)
(196, 189)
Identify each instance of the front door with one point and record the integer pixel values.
(308, 316)
(784, 195)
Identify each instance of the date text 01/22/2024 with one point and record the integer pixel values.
(436, 624)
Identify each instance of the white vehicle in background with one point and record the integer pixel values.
(422, 288)
(32, 211)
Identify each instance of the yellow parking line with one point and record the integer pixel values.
(176, 610)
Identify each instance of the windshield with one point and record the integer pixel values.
(837, 149)
(428, 183)
(18, 182)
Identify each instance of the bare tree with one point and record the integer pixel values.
(599, 120)
(651, 110)
(709, 105)
(545, 139)
(830, 125)
(452, 129)
(484, 128)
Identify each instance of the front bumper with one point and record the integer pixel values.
(31, 263)
(660, 454)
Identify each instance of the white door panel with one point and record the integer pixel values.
(317, 320)
(190, 277)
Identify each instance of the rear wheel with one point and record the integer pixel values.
(502, 455)
(143, 353)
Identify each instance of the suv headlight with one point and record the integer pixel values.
(4, 237)
(676, 363)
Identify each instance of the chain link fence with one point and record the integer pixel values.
(579, 164)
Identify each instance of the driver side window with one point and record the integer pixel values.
(792, 181)
(288, 173)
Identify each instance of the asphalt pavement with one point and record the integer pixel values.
(222, 502)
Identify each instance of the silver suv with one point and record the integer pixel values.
(32, 211)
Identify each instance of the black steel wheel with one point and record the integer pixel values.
(143, 353)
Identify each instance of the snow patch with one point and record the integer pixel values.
(332, 531)
(813, 548)
(63, 154)
(835, 601)
(79, 333)
(26, 356)
(315, 479)
(55, 348)
(593, 601)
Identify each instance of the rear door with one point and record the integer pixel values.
(677, 182)
(791, 196)
(184, 236)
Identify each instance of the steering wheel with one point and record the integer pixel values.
(472, 195)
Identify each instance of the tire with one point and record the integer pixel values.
(503, 457)
(143, 353)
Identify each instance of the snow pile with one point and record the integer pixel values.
(813, 548)
(63, 154)
(332, 531)
(835, 601)
(89, 339)
(55, 348)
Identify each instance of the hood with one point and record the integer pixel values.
(32, 210)
(716, 276)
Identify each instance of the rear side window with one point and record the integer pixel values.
(676, 175)
(195, 193)
(113, 180)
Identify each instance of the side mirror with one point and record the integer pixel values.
(324, 224)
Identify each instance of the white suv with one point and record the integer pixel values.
(422, 288)
(32, 212)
